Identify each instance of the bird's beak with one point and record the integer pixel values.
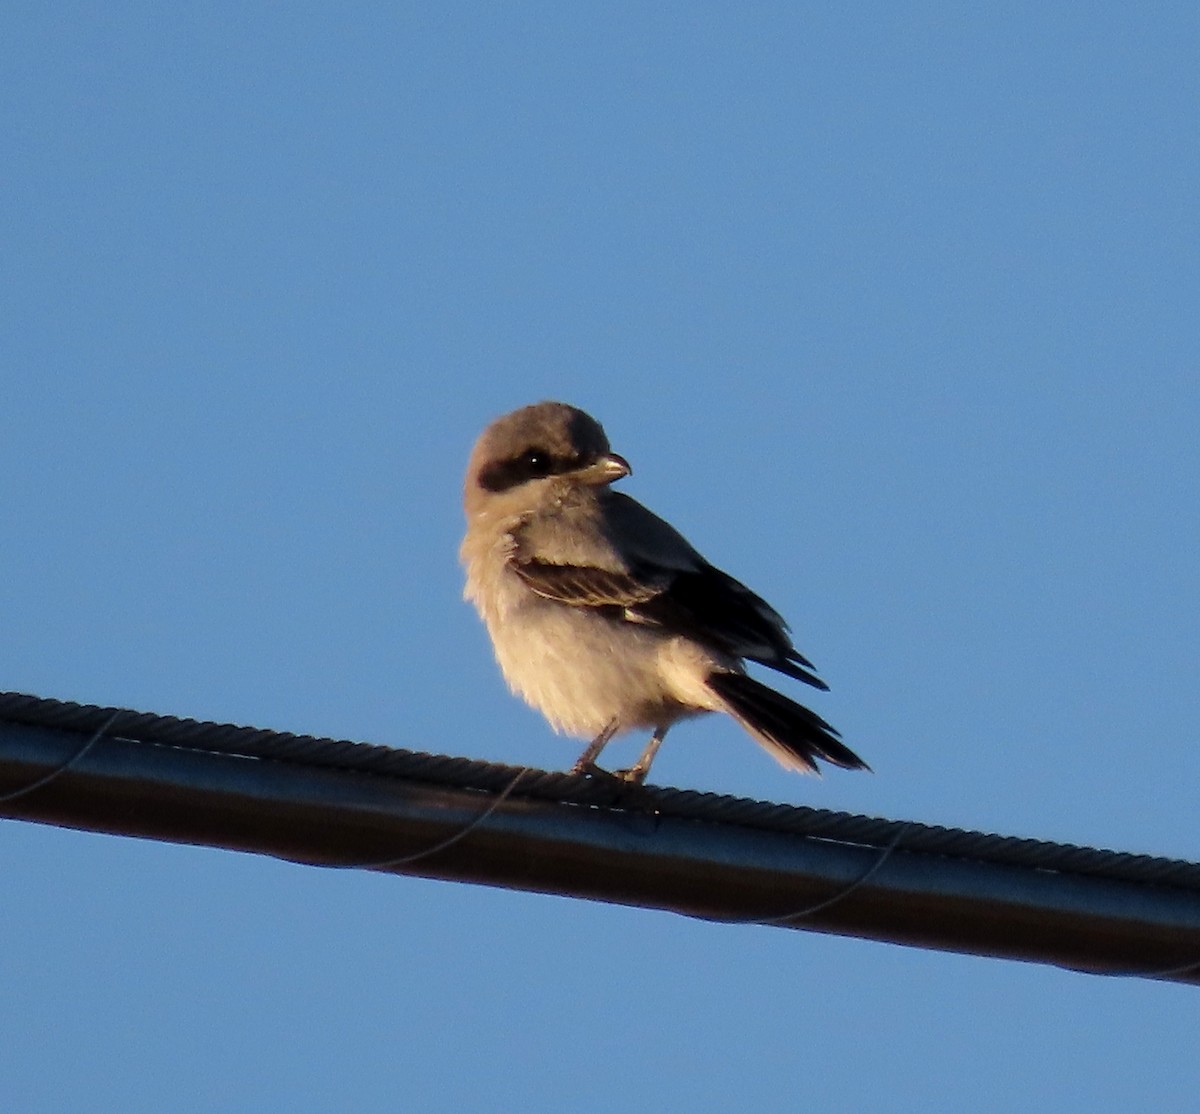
(604, 470)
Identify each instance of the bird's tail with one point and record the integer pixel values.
(794, 736)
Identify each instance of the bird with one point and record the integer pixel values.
(603, 617)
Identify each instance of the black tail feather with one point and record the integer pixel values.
(788, 665)
(795, 736)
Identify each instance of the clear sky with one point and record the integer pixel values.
(893, 308)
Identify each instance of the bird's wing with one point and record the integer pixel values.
(586, 553)
(584, 585)
(649, 574)
(711, 606)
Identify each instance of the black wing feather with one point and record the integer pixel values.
(713, 607)
(705, 604)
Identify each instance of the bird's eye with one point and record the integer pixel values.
(536, 462)
(532, 464)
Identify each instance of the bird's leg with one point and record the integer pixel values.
(638, 771)
(586, 763)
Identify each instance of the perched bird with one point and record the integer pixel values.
(603, 617)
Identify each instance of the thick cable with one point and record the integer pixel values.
(679, 804)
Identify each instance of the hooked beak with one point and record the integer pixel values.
(605, 470)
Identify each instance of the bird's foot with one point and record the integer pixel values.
(635, 775)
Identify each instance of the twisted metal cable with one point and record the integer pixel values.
(578, 790)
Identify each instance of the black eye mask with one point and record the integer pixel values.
(532, 464)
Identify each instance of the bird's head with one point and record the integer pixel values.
(536, 452)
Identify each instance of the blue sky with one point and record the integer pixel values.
(893, 308)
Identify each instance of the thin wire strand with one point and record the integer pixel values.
(1166, 973)
(386, 864)
(841, 895)
(45, 779)
(874, 869)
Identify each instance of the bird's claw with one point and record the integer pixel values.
(635, 775)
